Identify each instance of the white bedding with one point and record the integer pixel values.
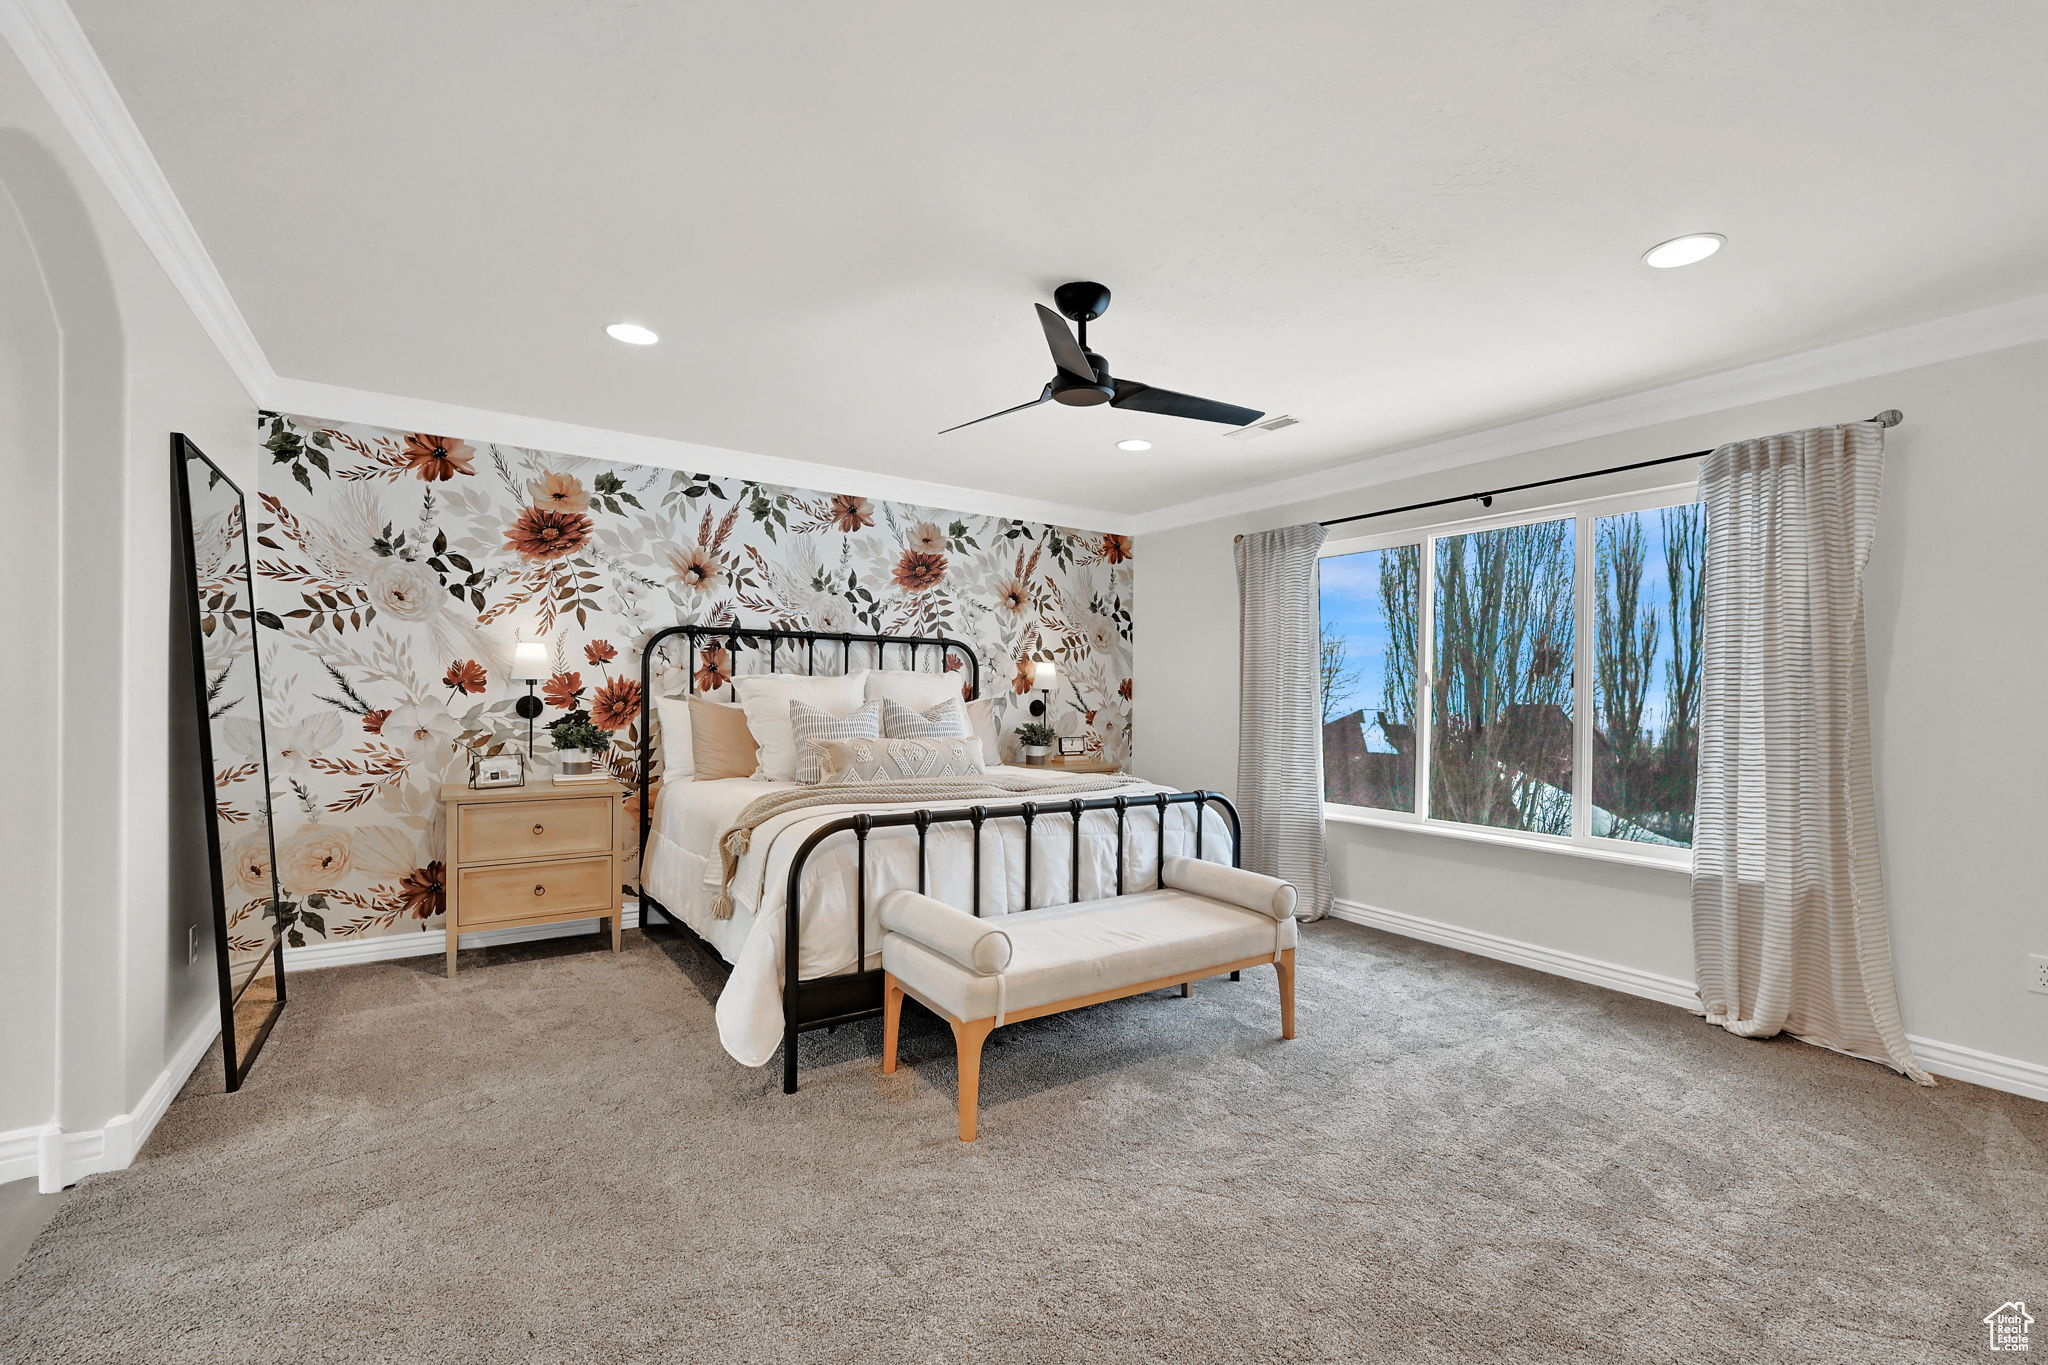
(683, 869)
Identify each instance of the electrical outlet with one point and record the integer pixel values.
(191, 944)
(2037, 973)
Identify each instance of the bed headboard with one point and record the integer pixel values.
(783, 649)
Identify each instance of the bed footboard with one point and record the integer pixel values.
(823, 1002)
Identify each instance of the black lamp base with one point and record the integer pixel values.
(528, 708)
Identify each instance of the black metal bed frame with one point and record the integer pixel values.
(828, 1001)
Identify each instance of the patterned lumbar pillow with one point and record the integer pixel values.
(808, 724)
(947, 720)
(894, 760)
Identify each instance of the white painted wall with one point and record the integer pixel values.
(136, 366)
(1958, 658)
(28, 822)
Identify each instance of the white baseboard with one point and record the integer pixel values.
(57, 1158)
(385, 947)
(1615, 977)
(21, 1152)
(1987, 1069)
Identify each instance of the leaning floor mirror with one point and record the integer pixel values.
(217, 591)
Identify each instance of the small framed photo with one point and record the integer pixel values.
(498, 770)
(1073, 746)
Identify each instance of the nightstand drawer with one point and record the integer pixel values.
(534, 829)
(528, 890)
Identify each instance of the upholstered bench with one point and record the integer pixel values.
(979, 973)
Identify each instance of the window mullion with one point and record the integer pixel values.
(1584, 636)
(1425, 667)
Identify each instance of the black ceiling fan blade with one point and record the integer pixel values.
(1066, 352)
(1144, 398)
(1006, 411)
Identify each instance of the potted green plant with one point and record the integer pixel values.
(577, 743)
(1038, 738)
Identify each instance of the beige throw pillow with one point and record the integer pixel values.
(894, 760)
(720, 742)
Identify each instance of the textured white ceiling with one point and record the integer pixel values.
(1394, 221)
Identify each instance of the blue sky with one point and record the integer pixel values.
(1351, 607)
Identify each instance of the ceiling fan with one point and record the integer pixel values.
(1083, 379)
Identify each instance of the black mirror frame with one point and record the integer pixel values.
(183, 454)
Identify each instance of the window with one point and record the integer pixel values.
(1540, 679)
(1372, 609)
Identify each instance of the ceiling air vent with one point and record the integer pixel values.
(1251, 429)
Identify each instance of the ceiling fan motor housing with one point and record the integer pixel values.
(1078, 393)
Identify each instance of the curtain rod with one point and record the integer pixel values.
(1890, 417)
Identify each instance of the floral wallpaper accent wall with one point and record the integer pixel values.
(396, 570)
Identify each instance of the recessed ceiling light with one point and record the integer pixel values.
(632, 333)
(1134, 445)
(1696, 246)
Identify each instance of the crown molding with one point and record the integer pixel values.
(46, 36)
(1986, 329)
(333, 403)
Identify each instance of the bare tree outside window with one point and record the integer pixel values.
(1648, 571)
(1501, 751)
(1504, 743)
(1337, 678)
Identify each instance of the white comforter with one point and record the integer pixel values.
(682, 872)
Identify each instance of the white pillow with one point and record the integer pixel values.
(678, 759)
(981, 723)
(766, 697)
(918, 691)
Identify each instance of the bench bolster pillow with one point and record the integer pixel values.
(955, 935)
(1231, 885)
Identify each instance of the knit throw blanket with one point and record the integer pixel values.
(733, 844)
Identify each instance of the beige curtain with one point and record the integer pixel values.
(1279, 721)
(1788, 907)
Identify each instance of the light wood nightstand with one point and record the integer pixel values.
(1083, 765)
(537, 854)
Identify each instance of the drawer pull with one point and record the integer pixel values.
(538, 828)
(539, 890)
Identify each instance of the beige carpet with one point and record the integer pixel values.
(549, 1159)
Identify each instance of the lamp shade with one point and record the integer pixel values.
(1045, 675)
(529, 661)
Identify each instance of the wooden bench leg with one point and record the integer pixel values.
(1284, 965)
(967, 1041)
(1187, 989)
(892, 1019)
